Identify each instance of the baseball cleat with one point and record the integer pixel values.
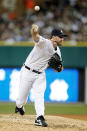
(40, 121)
(20, 110)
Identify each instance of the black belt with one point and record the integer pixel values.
(32, 70)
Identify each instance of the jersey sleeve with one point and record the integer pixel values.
(41, 41)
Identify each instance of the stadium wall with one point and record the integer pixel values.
(14, 56)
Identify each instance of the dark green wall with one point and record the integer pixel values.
(15, 56)
(74, 56)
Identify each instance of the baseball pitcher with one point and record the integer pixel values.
(32, 74)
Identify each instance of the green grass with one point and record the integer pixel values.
(50, 108)
(75, 109)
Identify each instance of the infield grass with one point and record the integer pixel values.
(50, 108)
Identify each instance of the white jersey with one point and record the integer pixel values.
(40, 55)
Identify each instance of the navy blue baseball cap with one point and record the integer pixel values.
(58, 32)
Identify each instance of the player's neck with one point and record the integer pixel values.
(55, 48)
(54, 44)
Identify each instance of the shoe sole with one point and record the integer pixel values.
(37, 124)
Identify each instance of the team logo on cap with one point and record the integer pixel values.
(61, 31)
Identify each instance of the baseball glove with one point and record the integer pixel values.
(55, 62)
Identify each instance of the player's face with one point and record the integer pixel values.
(57, 41)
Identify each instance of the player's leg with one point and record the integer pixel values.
(24, 87)
(23, 93)
(39, 89)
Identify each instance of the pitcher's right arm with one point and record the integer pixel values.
(35, 33)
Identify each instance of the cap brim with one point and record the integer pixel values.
(63, 35)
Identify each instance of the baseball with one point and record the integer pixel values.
(37, 8)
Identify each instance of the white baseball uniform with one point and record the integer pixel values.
(36, 60)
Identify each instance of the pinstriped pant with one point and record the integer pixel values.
(28, 80)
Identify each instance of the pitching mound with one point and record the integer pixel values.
(26, 123)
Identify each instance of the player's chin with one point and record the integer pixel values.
(59, 44)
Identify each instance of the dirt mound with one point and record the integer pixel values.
(26, 123)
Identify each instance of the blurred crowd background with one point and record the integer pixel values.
(17, 16)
